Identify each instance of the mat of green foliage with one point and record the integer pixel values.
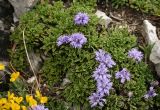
(44, 24)
(149, 6)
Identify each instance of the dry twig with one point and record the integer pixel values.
(24, 42)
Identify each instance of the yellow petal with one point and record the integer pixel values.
(2, 67)
(43, 100)
(3, 101)
(10, 96)
(38, 94)
(6, 106)
(18, 99)
(24, 107)
(15, 106)
(31, 100)
(28, 97)
(14, 76)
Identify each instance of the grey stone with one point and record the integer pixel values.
(104, 19)
(1, 25)
(155, 53)
(155, 56)
(65, 81)
(21, 6)
(31, 80)
(36, 61)
(149, 32)
(157, 67)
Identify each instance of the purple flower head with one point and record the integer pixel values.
(135, 54)
(103, 86)
(150, 93)
(39, 107)
(81, 18)
(62, 40)
(77, 40)
(105, 58)
(95, 99)
(123, 75)
(101, 72)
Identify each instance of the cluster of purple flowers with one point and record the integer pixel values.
(76, 40)
(150, 93)
(102, 78)
(124, 75)
(81, 18)
(135, 54)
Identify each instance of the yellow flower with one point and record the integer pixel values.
(14, 76)
(10, 96)
(18, 100)
(43, 100)
(15, 106)
(31, 100)
(3, 101)
(2, 67)
(6, 106)
(39, 96)
(24, 107)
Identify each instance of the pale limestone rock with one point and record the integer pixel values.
(157, 67)
(31, 80)
(104, 19)
(36, 61)
(155, 56)
(155, 53)
(149, 32)
(21, 6)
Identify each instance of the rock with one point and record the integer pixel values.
(155, 53)
(36, 61)
(31, 80)
(155, 56)
(21, 6)
(65, 81)
(157, 67)
(1, 25)
(4, 44)
(104, 19)
(5, 9)
(149, 32)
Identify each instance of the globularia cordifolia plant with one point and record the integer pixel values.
(84, 68)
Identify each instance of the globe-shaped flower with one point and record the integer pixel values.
(105, 58)
(62, 40)
(150, 93)
(135, 54)
(77, 40)
(101, 72)
(95, 99)
(124, 75)
(104, 86)
(81, 18)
